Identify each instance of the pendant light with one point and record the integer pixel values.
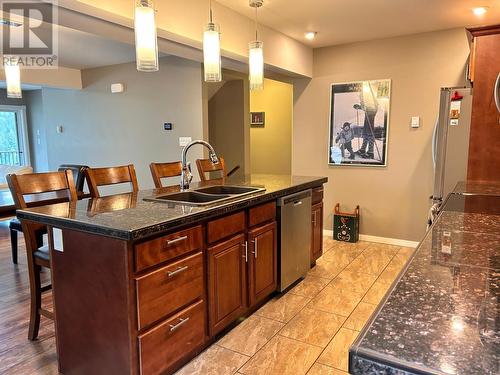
(13, 80)
(256, 55)
(211, 50)
(146, 45)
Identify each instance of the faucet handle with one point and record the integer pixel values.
(213, 157)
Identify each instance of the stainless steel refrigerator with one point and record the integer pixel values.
(450, 143)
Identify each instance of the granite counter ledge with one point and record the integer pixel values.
(442, 315)
(128, 217)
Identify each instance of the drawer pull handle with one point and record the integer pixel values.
(177, 271)
(182, 321)
(176, 240)
(245, 246)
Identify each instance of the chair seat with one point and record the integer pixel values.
(15, 224)
(42, 253)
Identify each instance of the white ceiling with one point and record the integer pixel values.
(346, 21)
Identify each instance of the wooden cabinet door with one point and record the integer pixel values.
(484, 147)
(317, 232)
(263, 262)
(227, 282)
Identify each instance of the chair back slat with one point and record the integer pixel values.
(206, 166)
(164, 170)
(41, 183)
(110, 176)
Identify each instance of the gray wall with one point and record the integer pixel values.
(8, 101)
(104, 129)
(36, 130)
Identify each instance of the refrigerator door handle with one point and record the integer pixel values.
(434, 141)
(496, 93)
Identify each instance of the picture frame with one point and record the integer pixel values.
(257, 119)
(359, 123)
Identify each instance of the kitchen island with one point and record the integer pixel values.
(141, 286)
(441, 316)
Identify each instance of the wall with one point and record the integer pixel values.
(104, 129)
(394, 200)
(11, 101)
(36, 130)
(226, 114)
(271, 146)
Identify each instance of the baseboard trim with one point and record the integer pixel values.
(386, 240)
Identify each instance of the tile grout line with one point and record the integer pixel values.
(354, 307)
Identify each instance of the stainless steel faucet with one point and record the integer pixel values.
(186, 175)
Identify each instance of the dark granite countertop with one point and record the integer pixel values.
(477, 187)
(442, 314)
(129, 217)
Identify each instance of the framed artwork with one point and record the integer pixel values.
(359, 123)
(257, 119)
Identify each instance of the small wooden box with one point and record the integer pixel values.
(346, 225)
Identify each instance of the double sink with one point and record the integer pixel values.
(204, 196)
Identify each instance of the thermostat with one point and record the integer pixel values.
(168, 126)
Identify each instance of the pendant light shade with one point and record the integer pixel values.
(13, 79)
(211, 53)
(146, 46)
(256, 54)
(256, 65)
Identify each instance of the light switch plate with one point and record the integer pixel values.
(183, 141)
(415, 122)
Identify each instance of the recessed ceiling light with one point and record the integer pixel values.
(479, 11)
(310, 35)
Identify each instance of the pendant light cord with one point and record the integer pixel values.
(210, 10)
(256, 24)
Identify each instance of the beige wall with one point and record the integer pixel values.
(394, 199)
(226, 117)
(271, 146)
(64, 78)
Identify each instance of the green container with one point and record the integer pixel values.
(346, 225)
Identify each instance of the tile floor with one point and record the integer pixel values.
(309, 329)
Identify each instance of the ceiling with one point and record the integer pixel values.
(347, 21)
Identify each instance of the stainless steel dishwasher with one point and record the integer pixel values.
(294, 218)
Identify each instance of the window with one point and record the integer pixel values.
(14, 145)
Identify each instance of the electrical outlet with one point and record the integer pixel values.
(183, 141)
(415, 122)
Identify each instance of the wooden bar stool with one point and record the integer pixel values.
(110, 176)
(206, 166)
(79, 177)
(58, 183)
(164, 170)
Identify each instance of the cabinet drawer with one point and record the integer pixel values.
(162, 249)
(167, 343)
(161, 292)
(317, 195)
(225, 226)
(261, 214)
